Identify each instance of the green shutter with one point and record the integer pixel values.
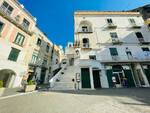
(19, 39)
(85, 78)
(109, 77)
(13, 54)
(129, 76)
(147, 73)
(113, 51)
(1, 26)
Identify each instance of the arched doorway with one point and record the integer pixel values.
(7, 76)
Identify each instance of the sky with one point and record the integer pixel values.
(55, 17)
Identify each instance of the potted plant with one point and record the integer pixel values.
(30, 86)
(1, 87)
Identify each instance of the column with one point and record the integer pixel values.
(91, 78)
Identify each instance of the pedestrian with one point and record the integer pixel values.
(114, 81)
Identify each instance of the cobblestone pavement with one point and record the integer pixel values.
(96, 101)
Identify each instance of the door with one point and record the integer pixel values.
(96, 79)
(85, 78)
(43, 73)
(109, 77)
(129, 76)
(147, 73)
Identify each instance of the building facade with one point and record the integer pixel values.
(16, 27)
(26, 52)
(111, 44)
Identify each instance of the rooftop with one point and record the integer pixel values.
(106, 13)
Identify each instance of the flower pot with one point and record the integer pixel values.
(30, 88)
(1, 91)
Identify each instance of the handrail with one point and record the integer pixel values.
(53, 79)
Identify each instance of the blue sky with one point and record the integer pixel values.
(55, 17)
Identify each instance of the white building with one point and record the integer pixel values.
(111, 44)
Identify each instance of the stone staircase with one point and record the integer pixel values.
(64, 81)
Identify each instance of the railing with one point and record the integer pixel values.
(142, 57)
(111, 25)
(6, 14)
(53, 80)
(86, 45)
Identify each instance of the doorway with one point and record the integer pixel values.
(43, 74)
(85, 78)
(96, 79)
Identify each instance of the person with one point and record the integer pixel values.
(126, 82)
(114, 81)
(24, 82)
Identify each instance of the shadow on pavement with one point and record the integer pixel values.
(138, 94)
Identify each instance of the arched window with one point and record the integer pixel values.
(85, 27)
(85, 42)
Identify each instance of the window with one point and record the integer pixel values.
(140, 36)
(109, 21)
(145, 49)
(84, 29)
(34, 58)
(113, 35)
(132, 21)
(47, 48)
(6, 8)
(25, 23)
(14, 54)
(19, 39)
(1, 26)
(39, 41)
(85, 42)
(56, 61)
(45, 61)
(113, 51)
(93, 57)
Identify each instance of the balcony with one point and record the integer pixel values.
(135, 26)
(116, 41)
(139, 58)
(7, 15)
(86, 46)
(111, 26)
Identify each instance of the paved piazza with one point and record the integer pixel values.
(100, 101)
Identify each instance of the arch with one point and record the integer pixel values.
(85, 26)
(7, 76)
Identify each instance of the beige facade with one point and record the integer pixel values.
(111, 44)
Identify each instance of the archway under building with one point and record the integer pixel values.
(7, 77)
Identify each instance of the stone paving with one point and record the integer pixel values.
(96, 101)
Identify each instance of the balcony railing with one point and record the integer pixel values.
(135, 26)
(142, 57)
(7, 15)
(116, 41)
(86, 45)
(111, 26)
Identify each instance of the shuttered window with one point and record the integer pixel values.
(14, 54)
(113, 51)
(1, 26)
(19, 39)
